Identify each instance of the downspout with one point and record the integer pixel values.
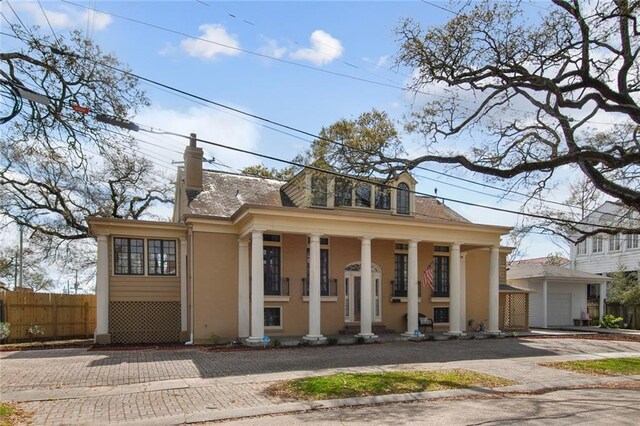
(190, 281)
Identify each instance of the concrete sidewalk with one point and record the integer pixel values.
(76, 386)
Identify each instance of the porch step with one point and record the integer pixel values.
(375, 329)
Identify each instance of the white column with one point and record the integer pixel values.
(244, 302)
(257, 288)
(463, 291)
(365, 289)
(454, 291)
(603, 296)
(102, 292)
(544, 303)
(494, 291)
(184, 327)
(314, 289)
(412, 289)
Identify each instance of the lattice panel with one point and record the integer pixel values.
(144, 322)
(515, 312)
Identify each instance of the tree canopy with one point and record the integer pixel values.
(58, 164)
(534, 94)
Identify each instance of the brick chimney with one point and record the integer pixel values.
(192, 168)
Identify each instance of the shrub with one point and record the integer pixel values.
(609, 321)
(275, 343)
(4, 330)
(35, 331)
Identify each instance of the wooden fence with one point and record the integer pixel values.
(631, 314)
(60, 316)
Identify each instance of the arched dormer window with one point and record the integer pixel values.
(402, 206)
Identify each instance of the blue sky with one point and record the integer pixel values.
(311, 42)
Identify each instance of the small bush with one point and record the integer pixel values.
(35, 331)
(609, 321)
(275, 343)
(595, 322)
(360, 340)
(5, 330)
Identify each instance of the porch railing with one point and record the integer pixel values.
(327, 289)
(277, 288)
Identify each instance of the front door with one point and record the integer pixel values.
(352, 293)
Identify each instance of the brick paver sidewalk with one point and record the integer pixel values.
(76, 386)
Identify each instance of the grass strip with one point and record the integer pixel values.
(10, 414)
(601, 367)
(349, 385)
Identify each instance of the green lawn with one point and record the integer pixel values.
(347, 385)
(608, 367)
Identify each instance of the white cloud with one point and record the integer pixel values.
(208, 124)
(97, 20)
(382, 61)
(64, 17)
(272, 48)
(214, 41)
(324, 49)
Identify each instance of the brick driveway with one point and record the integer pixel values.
(77, 386)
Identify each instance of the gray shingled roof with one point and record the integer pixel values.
(224, 193)
(552, 272)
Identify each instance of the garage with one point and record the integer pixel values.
(559, 309)
(558, 294)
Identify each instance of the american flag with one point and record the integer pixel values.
(427, 276)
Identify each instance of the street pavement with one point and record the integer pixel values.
(565, 407)
(173, 386)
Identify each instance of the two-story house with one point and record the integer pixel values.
(247, 257)
(604, 254)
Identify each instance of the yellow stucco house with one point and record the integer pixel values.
(246, 257)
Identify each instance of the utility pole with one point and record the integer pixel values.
(15, 271)
(21, 257)
(75, 286)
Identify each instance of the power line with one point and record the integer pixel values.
(384, 185)
(272, 121)
(55, 36)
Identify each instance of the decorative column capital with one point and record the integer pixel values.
(243, 242)
(314, 237)
(366, 240)
(102, 237)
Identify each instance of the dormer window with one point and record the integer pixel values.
(403, 199)
(319, 190)
(383, 198)
(363, 195)
(343, 192)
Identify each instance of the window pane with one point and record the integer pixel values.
(318, 190)
(271, 262)
(363, 195)
(401, 274)
(383, 198)
(403, 199)
(128, 256)
(161, 257)
(343, 192)
(441, 276)
(272, 317)
(440, 315)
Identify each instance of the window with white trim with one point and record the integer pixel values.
(614, 242)
(632, 241)
(597, 244)
(402, 201)
(581, 247)
(271, 252)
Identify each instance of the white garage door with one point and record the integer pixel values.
(559, 309)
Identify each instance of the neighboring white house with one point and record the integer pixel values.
(603, 254)
(558, 295)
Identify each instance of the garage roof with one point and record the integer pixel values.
(552, 272)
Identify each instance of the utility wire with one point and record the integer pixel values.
(384, 185)
(236, 110)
